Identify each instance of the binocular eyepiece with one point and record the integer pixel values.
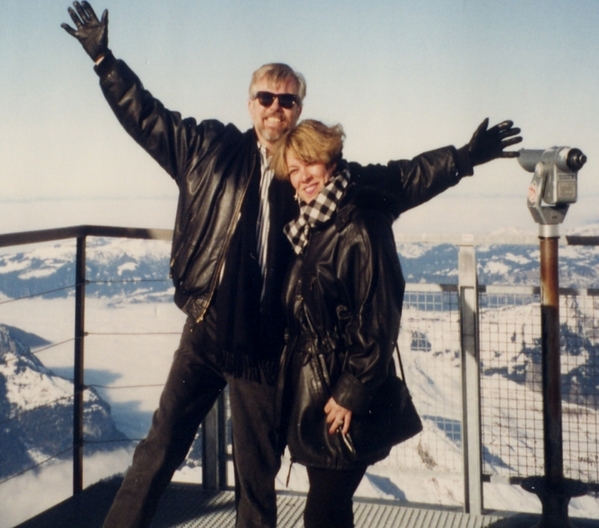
(565, 159)
(575, 159)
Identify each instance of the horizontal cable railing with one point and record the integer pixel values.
(43, 349)
(36, 466)
(79, 232)
(38, 294)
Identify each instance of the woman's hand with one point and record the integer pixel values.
(337, 416)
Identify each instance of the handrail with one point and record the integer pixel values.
(61, 233)
(518, 239)
(582, 240)
(48, 235)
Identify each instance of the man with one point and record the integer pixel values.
(229, 256)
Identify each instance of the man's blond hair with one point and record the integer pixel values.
(276, 73)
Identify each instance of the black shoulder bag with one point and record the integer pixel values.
(391, 419)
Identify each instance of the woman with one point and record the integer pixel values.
(343, 297)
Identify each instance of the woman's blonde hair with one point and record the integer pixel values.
(311, 142)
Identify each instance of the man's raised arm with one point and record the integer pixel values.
(91, 32)
(162, 133)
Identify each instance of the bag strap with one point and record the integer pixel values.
(403, 376)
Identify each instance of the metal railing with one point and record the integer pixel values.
(80, 233)
(470, 330)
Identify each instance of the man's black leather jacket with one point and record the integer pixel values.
(212, 164)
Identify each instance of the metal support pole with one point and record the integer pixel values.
(553, 490)
(471, 428)
(551, 371)
(79, 380)
(214, 447)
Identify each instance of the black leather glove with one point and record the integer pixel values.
(91, 32)
(487, 145)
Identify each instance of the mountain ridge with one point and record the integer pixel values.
(138, 270)
(36, 403)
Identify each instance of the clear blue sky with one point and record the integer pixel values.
(400, 76)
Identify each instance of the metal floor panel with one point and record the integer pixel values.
(367, 515)
(188, 506)
(377, 515)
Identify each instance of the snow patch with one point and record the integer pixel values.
(518, 259)
(10, 266)
(496, 268)
(37, 274)
(129, 266)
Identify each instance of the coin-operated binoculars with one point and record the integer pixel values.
(553, 188)
(554, 184)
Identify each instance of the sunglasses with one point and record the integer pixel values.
(286, 100)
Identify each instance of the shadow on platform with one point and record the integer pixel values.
(189, 506)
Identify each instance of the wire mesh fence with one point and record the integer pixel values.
(511, 403)
(429, 345)
(511, 382)
(579, 337)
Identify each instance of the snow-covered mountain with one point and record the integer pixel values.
(36, 408)
(137, 270)
(506, 264)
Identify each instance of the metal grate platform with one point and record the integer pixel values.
(189, 506)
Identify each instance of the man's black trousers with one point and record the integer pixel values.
(194, 383)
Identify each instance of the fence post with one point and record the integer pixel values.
(79, 380)
(471, 428)
(214, 447)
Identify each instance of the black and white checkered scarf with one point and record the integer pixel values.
(317, 212)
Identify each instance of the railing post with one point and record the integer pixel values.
(79, 380)
(214, 447)
(471, 428)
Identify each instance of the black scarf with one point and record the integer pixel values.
(250, 329)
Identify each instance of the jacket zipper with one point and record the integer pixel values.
(226, 245)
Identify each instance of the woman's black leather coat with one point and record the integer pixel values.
(343, 297)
